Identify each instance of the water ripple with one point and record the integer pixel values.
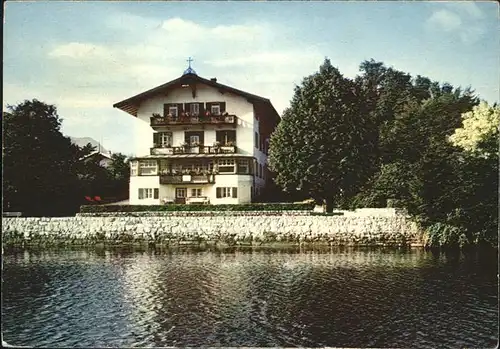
(338, 298)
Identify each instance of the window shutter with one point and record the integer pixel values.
(156, 193)
(187, 108)
(222, 107)
(209, 106)
(156, 139)
(219, 192)
(202, 110)
(141, 193)
(165, 109)
(235, 192)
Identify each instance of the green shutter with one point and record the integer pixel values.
(222, 107)
(165, 109)
(201, 109)
(219, 192)
(235, 192)
(141, 193)
(156, 193)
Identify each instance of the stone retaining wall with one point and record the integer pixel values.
(232, 228)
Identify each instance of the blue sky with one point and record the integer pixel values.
(85, 56)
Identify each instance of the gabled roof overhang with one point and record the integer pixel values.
(131, 105)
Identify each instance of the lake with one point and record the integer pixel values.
(339, 297)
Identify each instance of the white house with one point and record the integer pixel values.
(104, 158)
(208, 143)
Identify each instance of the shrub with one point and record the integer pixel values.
(178, 207)
(441, 234)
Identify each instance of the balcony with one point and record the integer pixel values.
(225, 119)
(190, 149)
(187, 179)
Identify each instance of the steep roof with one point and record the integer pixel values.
(131, 105)
(104, 155)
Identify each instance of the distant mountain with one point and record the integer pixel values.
(83, 141)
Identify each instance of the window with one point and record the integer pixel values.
(226, 137)
(166, 139)
(180, 192)
(133, 168)
(194, 140)
(147, 167)
(194, 109)
(172, 110)
(215, 109)
(243, 166)
(226, 165)
(194, 137)
(256, 140)
(148, 193)
(196, 192)
(227, 192)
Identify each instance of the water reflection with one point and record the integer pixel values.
(329, 297)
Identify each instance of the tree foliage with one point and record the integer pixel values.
(43, 172)
(321, 144)
(432, 149)
(479, 132)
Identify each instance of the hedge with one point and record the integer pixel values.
(178, 207)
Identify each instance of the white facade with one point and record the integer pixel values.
(163, 173)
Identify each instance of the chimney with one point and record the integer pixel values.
(213, 79)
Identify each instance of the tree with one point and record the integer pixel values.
(322, 145)
(119, 170)
(39, 163)
(479, 132)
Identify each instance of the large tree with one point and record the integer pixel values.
(39, 163)
(44, 173)
(322, 146)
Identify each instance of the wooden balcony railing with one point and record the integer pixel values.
(190, 120)
(187, 178)
(201, 149)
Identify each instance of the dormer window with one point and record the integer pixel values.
(215, 109)
(172, 110)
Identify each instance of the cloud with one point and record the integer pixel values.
(84, 78)
(462, 20)
(80, 51)
(287, 58)
(470, 9)
(445, 20)
(165, 45)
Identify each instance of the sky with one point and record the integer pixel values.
(83, 57)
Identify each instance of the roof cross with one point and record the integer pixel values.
(189, 70)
